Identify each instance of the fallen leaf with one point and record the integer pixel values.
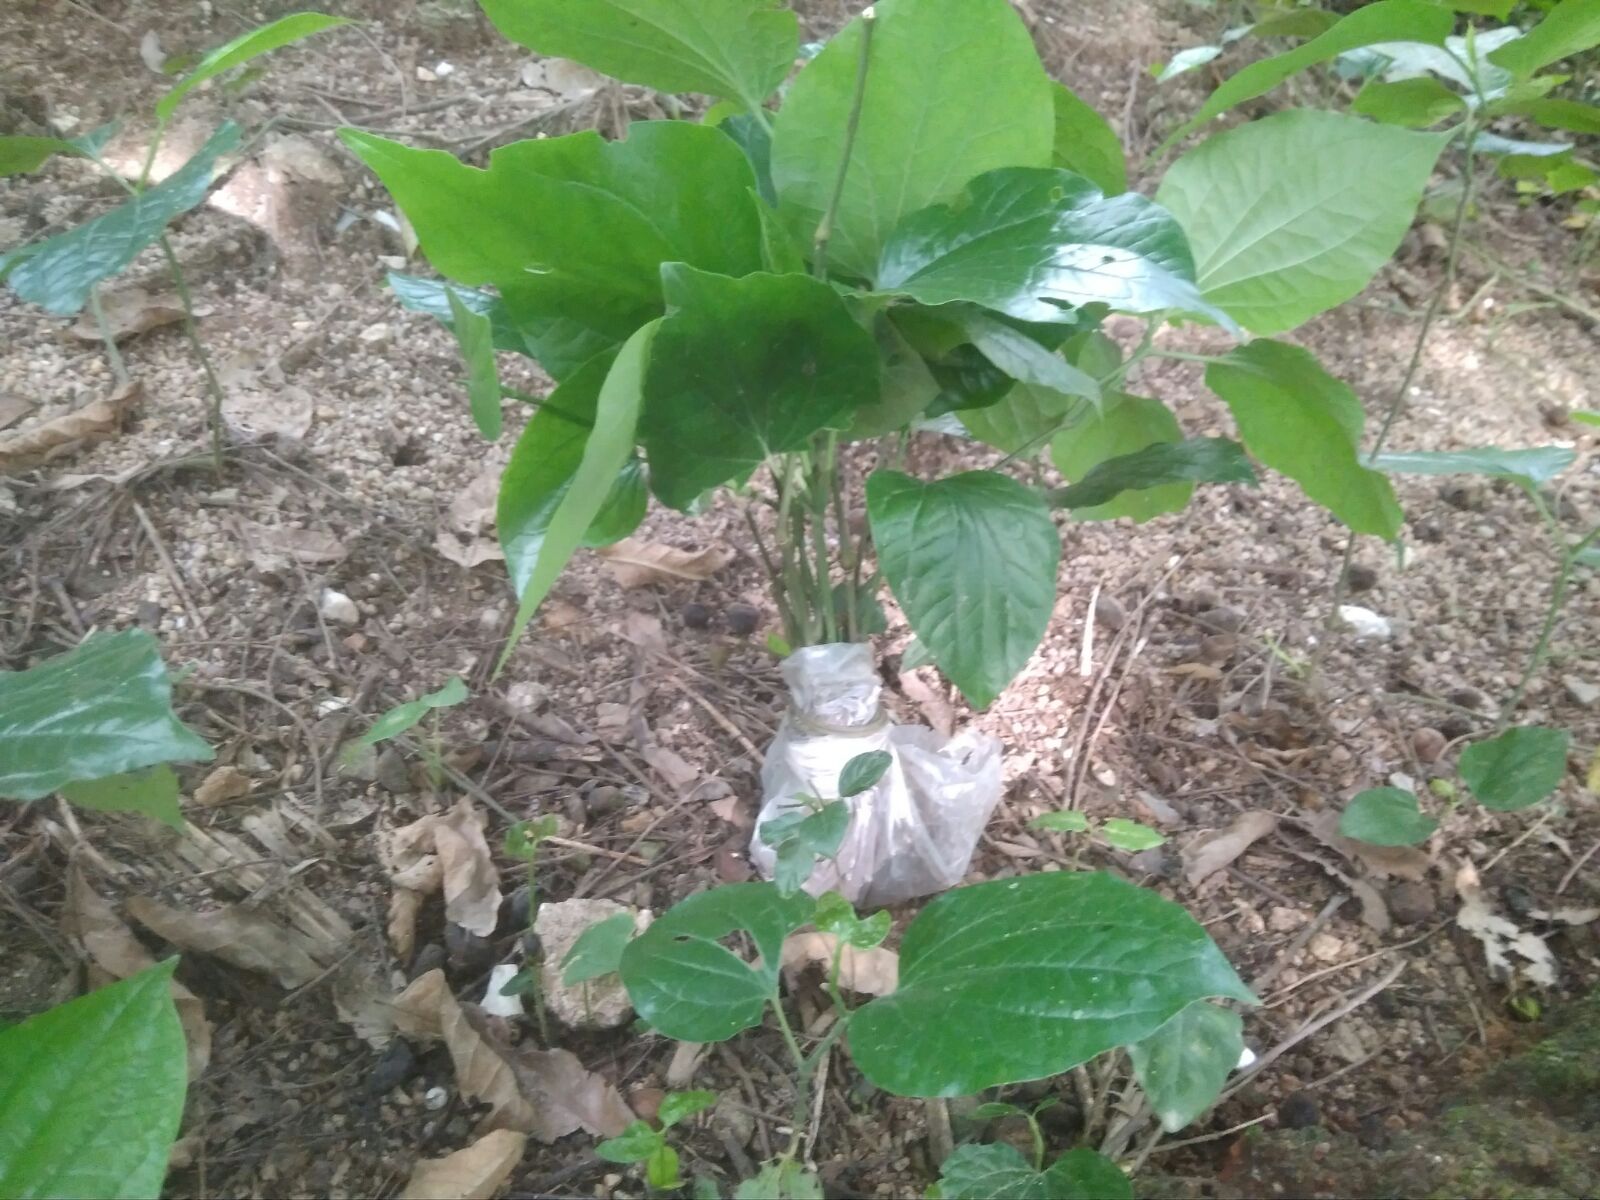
(60, 435)
(273, 547)
(471, 883)
(13, 408)
(644, 631)
(935, 708)
(405, 906)
(415, 872)
(466, 533)
(474, 1173)
(281, 414)
(1401, 862)
(88, 919)
(1210, 855)
(416, 1010)
(222, 785)
(129, 311)
(729, 810)
(637, 563)
(1500, 936)
(242, 936)
(872, 972)
(679, 774)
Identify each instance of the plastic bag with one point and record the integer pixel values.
(911, 834)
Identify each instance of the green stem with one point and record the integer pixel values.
(817, 491)
(537, 986)
(849, 565)
(1552, 614)
(192, 332)
(119, 369)
(819, 245)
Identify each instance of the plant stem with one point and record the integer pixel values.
(537, 987)
(848, 564)
(819, 245)
(192, 332)
(817, 490)
(1552, 614)
(1341, 587)
(119, 369)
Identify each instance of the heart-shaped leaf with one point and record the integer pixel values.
(863, 772)
(1386, 816)
(1518, 768)
(1183, 1065)
(1024, 978)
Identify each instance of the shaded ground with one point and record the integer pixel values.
(1192, 707)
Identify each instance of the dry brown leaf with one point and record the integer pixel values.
(13, 408)
(129, 311)
(644, 631)
(466, 534)
(404, 907)
(637, 563)
(416, 1010)
(274, 546)
(1401, 862)
(59, 435)
(88, 919)
(680, 776)
(471, 883)
(729, 810)
(1207, 857)
(415, 871)
(873, 972)
(477, 1172)
(242, 936)
(222, 785)
(931, 701)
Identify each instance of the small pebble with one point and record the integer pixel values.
(1468, 697)
(430, 958)
(1427, 744)
(435, 1098)
(468, 953)
(696, 615)
(1223, 620)
(339, 608)
(1362, 578)
(1411, 903)
(743, 619)
(392, 773)
(1110, 613)
(394, 1066)
(1583, 693)
(1299, 1111)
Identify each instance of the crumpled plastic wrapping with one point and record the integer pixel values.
(914, 832)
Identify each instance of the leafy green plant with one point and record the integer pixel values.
(61, 273)
(814, 828)
(642, 1142)
(729, 305)
(91, 1093)
(402, 718)
(1117, 832)
(522, 844)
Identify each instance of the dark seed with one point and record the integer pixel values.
(1299, 1111)
(696, 615)
(396, 1065)
(743, 619)
(1362, 578)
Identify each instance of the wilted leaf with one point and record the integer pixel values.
(1207, 857)
(245, 937)
(1401, 862)
(222, 785)
(59, 435)
(637, 563)
(466, 534)
(129, 311)
(1501, 937)
(471, 883)
(475, 1173)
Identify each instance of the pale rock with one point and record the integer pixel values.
(496, 1004)
(1582, 692)
(377, 334)
(1324, 947)
(339, 608)
(598, 1004)
(1283, 919)
(1367, 625)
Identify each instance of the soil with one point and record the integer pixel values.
(1189, 675)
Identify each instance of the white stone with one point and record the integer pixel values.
(600, 1003)
(494, 1002)
(1582, 692)
(339, 608)
(1367, 625)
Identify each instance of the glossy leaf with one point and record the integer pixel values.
(152, 791)
(606, 452)
(1386, 21)
(543, 465)
(972, 560)
(998, 1171)
(1413, 103)
(1033, 242)
(1193, 460)
(1285, 216)
(1023, 359)
(917, 144)
(1572, 27)
(244, 48)
(1299, 420)
(1386, 816)
(102, 708)
(1024, 978)
(1518, 768)
(1127, 425)
(690, 986)
(741, 49)
(58, 273)
(575, 228)
(1066, 821)
(92, 1092)
(800, 837)
(1086, 144)
(559, 344)
(405, 716)
(863, 772)
(1131, 836)
(1533, 467)
(744, 368)
(598, 950)
(475, 337)
(1183, 1065)
(680, 1106)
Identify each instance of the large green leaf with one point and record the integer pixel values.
(58, 273)
(907, 386)
(972, 560)
(743, 368)
(1518, 768)
(1024, 978)
(1033, 242)
(245, 47)
(605, 455)
(1183, 1065)
(741, 49)
(1086, 143)
(576, 228)
(1285, 215)
(1414, 103)
(1193, 460)
(1563, 114)
(688, 985)
(919, 142)
(1386, 816)
(1024, 418)
(1386, 21)
(475, 336)
(1126, 425)
(1572, 27)
(541, 470)
(999, 1172)
(1298, 419)
(152, 791)
(100, 709)
(1022, 358)
(1534, 466)
(91, 1093)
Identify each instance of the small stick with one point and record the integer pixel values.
(1572, 872)
(1299, 942)
(170, 568)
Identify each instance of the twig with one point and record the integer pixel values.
(1574, 306)
(1281, 995)
(192, 332)
(1518, 840)
(1572, 872)
(119, 369)
(219, 685)
(1211, 1137)
(1299, 942)
(170, 568)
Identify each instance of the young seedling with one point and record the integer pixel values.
(400, 719)
(641, 1142)
(1117, 832)
(597, 952)
(816, 828)
(522, 843)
